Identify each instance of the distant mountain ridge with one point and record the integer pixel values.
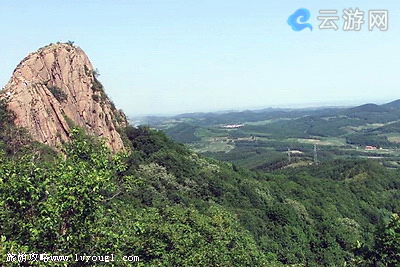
(394, 105)
(367, 108)
(386, 112)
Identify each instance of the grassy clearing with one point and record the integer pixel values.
(213, 144)
(352, 129)
(393, 137)
(328, 141)
(299, 164)
(205, 133)
(264, 122)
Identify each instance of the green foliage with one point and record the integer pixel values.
(183, 132)
(323, 211)
(6, 117)
(97, 86)
(387, 247)
(58, 93)
(172, 207)
(369, 139)
(179, 236)
(82, 204)
(339, 133)
(150, 141)
(54, 208)
(96, 73)
(96, 98)
(389, 128)
(13, 139)
(99, 95)
(254, 158)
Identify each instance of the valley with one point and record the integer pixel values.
(263, 139)
(273, 187)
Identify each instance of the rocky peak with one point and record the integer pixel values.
(55, 88)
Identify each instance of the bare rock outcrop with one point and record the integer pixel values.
(55, 88)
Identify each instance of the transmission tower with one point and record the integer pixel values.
(315, 155)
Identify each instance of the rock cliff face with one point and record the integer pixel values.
(55, 88)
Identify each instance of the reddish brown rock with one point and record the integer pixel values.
(55, 86)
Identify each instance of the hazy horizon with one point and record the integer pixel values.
(283, 106)
(174, 57)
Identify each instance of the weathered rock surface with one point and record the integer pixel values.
(55, 86)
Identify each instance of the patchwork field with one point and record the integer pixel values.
(262, 139)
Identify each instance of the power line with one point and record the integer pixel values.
(315, 155)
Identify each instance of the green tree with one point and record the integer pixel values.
(56, 208)
(387, 248)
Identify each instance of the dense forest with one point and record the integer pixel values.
(172, 207)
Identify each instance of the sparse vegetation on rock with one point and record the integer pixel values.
(54, 68)
(58, 93)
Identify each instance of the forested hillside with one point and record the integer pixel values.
(169, 206)
(262, 139)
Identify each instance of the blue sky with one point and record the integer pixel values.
(163, 57)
